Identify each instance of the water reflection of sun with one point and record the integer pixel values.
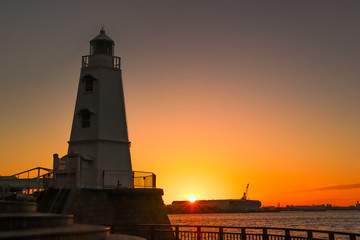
(192, 199)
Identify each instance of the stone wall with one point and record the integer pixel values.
(110, 207)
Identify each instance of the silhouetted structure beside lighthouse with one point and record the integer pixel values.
(95, 181)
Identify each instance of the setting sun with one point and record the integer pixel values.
(192, 199)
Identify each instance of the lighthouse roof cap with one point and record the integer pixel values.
(102, 36)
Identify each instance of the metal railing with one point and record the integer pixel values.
(39, 178)
(105, 179)
(85, 61)
(27, 182)
(190, 232)
(137, 179)
(144, 179)
(116, 61)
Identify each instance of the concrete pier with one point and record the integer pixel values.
(109, 207)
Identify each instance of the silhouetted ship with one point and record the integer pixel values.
(216, 206)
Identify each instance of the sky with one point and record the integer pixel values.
(218, 94)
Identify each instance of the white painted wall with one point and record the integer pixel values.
(105, 144)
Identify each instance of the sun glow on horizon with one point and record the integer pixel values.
(192, 199)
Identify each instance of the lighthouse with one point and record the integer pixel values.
(98, 153)
(95, 181)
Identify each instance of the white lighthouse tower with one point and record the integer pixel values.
(98, 155)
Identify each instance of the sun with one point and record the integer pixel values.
(192, 199)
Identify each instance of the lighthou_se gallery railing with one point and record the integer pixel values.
(114, 61)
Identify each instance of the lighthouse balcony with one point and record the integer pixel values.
(100, 60)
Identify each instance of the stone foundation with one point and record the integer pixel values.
(109, 207)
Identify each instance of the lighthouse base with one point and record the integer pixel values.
(109, 207)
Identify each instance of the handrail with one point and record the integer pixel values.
(37, 168)
(232, 227)
(26, 182)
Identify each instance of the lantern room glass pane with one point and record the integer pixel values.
(101, 47)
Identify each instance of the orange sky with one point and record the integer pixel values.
(217, 96)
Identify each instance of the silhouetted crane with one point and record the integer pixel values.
(245, 196)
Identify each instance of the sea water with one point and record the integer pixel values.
(339, 220)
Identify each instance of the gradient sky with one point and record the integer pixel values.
(218, 93)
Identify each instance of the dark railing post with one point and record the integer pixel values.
(331, 236)
(103, 177)
(310, 235)
(265, 234)
(153, 180)
(176, 232)
(221, 233)
(152, 233)
(198, 233)
(352, 237)
(243, 234)
(287, 234)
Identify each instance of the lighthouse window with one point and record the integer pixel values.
(85, 118)
(89, 85)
